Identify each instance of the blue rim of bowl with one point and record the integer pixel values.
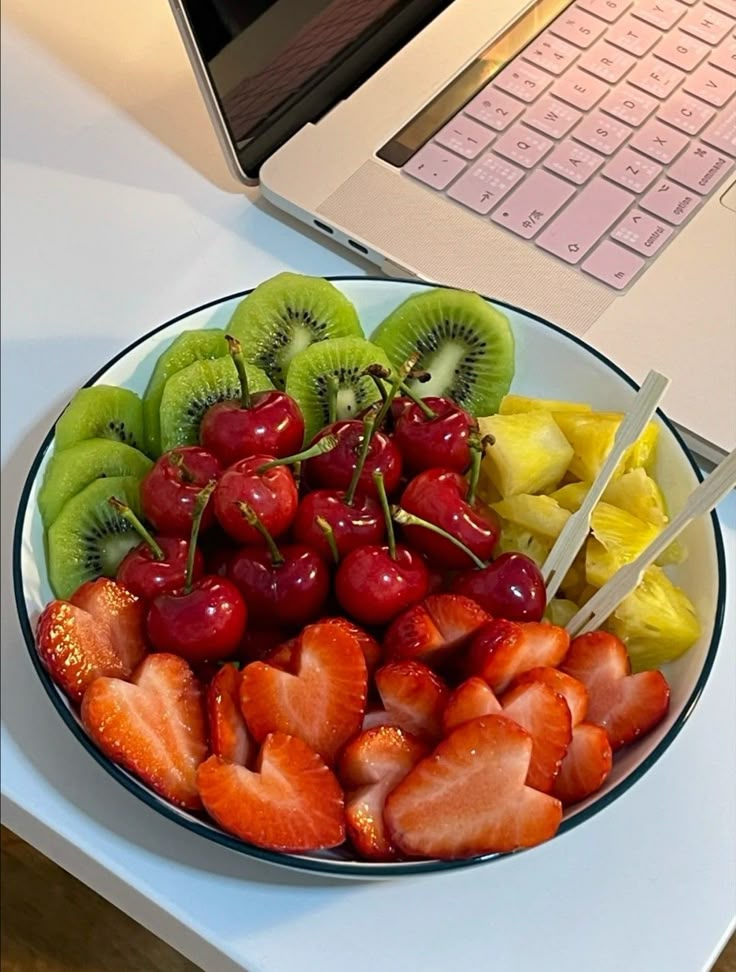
(326, 866)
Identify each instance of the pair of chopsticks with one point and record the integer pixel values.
(703, 498)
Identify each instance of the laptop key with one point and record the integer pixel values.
(573, 161)
(725, 6)
(681, 50)
(659, 13)
(494, 108)
(670, 201)
(712, 85)
(434, 166)
(602, 133)
(551, 116)
(579, 89)
(659, 141)
(522, 145)
(633, 35)
(642, 232)
(550, 53)
(485, 183)
(628, 105)
(585, 220)
(606, 62)
(465, 136)
(608, 10)
(533, 204)
(686, 113)
(700, 168)
(655, 77)
(721, 133)
(522, 80)
(631, 170)
(724, 56)
(707, 25)
(613, 265)
(578, 27)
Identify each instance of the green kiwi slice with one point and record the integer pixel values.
(189, 393)
(287, 313)
(188, 347)
(343, 361)
(89, 538)
(101, 412)
(465, 344)
(69, 471)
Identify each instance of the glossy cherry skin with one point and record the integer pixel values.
(169, 490)
(352, 526)
(438, 495)
(271, 494)
(146, 577)
(204, 624)
(510, 587)
(373, 588)
(292, 593)
(273, 423)
(437, 442)
(334, 469)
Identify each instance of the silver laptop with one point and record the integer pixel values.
(576, 159)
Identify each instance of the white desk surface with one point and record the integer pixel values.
(118, 213)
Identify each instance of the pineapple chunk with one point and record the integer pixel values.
(539, 514)
(570, 497)
(529, 455)
(559, 611)
(618, 538)
(591, 434)
(657, 622)
(643, 451)
(638, 494)
(516, 539)
(485, 490)
(514, 404)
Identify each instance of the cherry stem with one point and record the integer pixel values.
(176, 459)
(200, 503)
(318, 449)
(408, 519)
(418, 401)
(397, 380)
(477, 446)
(369, 425)
(254, 520)
(129, 515)
(236, 353)
(332, 389)
(390, 535)
(329, 537)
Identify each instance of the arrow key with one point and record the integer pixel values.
(485, 183)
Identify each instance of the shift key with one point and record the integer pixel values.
(585, 220)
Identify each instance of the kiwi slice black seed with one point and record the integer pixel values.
(188, 347)
(287, 313)
(89, 538)
(189, 393)
(69, 471)
(342, 360)
(465, 344)
(101, 412)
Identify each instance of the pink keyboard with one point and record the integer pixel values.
(603, 136)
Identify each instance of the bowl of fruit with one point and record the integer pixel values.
(278, 566)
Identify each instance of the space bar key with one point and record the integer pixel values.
(585, 220)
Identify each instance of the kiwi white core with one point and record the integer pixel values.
(347, 403)
(442, 366)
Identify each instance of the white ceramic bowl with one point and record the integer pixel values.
(549, 364)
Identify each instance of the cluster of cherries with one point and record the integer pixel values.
(285, 532)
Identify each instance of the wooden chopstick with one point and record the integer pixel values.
(576, 529)
(702, 500)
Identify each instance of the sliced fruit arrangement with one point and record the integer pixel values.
(312, 608)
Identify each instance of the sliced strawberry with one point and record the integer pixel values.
(376, 716)
(471, 700)
(121, 612)
(413, 696)
(433, 630)
(76, 649)
(571, 689)
(625, 705)
(292, 802)
(322, 701)
(546, 717)
(229, 736)
(469, 797)
(502, 649)
(153, 725)
(283, 656)
(586, 765)
(370, 767)
(371, 648)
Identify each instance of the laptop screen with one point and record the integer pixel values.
(275, 65)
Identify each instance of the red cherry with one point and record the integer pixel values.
(169, 490)
(373, 587)
(334, 470)
(510, 587)
(271, 493)
(205, 622)
(352, 526)
(435, 435)
(292, 589)
(259, 643)
(146, 575)
(438, 496)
